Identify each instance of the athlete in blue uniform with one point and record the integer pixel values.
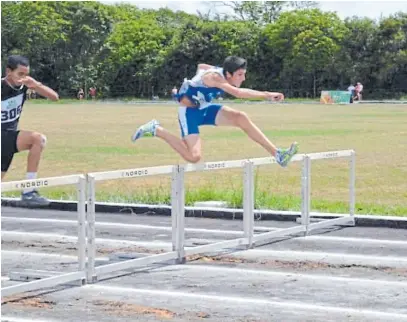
(195, 97)
(13, 94)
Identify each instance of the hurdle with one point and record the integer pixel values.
(177, 208)
(42, 279)
(248, 239)
(346, 220)
(306, 227)
(179, 253)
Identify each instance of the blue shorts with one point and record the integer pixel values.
(191, 118)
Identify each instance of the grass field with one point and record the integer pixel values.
(96, 137)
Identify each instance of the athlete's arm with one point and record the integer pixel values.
(204, 66)
(40, 88)
(215, 80)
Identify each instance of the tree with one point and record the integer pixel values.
(306, 41)
(391, 53)
(264, 12)
(355, 59)
(122, 49)
(61, 39)
(211, 43)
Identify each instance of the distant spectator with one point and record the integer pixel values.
(174, 92)
(358, 91)
(92, 92)
(81, 94)
(31, 94)
(351, 90)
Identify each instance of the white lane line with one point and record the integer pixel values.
(13, 236)
(246, 300)
(315, 277)
(17, 319)
(335, 258)
(74, 223)
(39, 254)
(355, 240)
(124, 226)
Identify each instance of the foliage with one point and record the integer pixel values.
(126, 51)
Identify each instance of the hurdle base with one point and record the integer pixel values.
(121, 257)
(342, 221)
(29, 275)
(179, 261)
(94, 279)
(125, 256)
(301, 221)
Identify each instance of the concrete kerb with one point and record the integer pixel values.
(216, 213)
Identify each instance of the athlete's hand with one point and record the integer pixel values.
(30, 82)
(274, 96)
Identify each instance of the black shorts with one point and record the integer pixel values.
(8, 148)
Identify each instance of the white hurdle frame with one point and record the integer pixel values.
(248, 204)
(346, 220)
(89, 273)
(179, 253)
(80, 182)
(177, 213)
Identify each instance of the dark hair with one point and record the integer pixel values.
(233, 63)
(14, 60)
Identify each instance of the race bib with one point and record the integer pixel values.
(11, 108)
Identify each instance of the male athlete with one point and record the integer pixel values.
(196, 109)
(13, 94)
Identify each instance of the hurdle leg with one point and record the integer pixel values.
(248, 202)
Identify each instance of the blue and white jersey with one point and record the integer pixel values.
(197, 91)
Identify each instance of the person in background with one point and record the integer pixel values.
(81, 94)
(92, 92)
(358, 91)
(174, 93)
(351, 90)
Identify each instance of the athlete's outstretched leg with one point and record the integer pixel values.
(230, 117)
(188, 148)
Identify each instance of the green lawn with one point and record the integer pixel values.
(96, 137)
